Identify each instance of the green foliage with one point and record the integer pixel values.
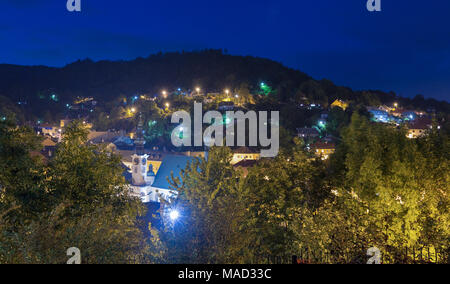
(379, 189)
(78, 200)
(398, 185)
(275, 193)
(209, 202)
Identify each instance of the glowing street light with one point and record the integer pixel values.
(174, 215)
(227, 92)
(167, 105)
(164, 94)
(133, 109)
(198, 90)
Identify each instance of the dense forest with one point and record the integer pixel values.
(25, 90)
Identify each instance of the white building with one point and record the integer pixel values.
(144, 183)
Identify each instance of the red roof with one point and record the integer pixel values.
(421, 123)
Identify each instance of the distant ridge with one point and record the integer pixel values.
(211, 69)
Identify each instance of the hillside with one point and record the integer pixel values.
(211, 69)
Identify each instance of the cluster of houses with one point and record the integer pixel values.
(418, 123)
(322, 147)
(146, 170)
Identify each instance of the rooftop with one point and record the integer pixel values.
(171, 164)
(323, 145)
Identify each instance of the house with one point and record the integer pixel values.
(379, 115)
(341, 104)
(49, 130)
(98, 137)
(385, 108)
(419, 128)
(409, 115)
(124, 142)
(307, 133)
(65, 122)
(49, 147)
(244, 153)
(323, 149)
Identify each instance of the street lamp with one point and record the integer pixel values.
(167, 105)
(174, 215)
(198, 90)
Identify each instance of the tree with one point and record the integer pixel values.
(389, 186)
(81, 200)
(21, 174)
(276, 192)
(209, 201)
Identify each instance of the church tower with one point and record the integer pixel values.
(139, 159)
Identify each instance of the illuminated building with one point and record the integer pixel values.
(419, 128)
(323, 149)
(244, 153)
(338, 103)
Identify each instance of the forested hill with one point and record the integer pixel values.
(213, 70)
(210, 69)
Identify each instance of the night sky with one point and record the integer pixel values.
(405, 48)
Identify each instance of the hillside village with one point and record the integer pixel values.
(161, 159)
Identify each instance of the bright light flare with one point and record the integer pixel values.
(174, 215)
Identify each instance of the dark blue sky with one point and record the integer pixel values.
(405, 48)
